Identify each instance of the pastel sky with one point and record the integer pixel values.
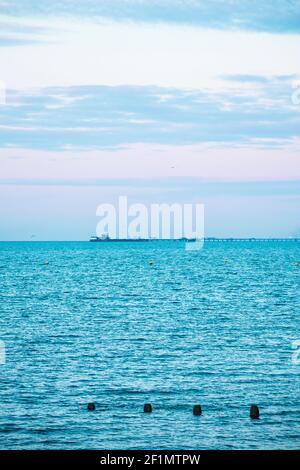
(160, 100)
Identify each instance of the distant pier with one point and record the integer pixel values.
(251, 239)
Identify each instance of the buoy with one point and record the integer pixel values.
(197, 410)
(147, 408)
(225, 260)
(46, 261)
(254, 412)
(151, 262)
(91, 406)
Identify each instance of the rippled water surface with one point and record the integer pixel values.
(97, 322)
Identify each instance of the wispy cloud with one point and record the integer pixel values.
(282, 16)
(18, 32)
(95, 117)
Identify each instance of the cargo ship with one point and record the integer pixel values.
(106, 238)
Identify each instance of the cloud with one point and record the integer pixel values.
(255, 113)
(77, 52)
(18, 32)
(281, 16)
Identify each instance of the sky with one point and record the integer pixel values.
(163, 101)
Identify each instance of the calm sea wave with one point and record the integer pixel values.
(96, 322)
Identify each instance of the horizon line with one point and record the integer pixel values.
(212, 239)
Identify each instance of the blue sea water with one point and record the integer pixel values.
(99, 323)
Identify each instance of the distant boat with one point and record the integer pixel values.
(106, 238)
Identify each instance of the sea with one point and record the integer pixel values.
(121, 324)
